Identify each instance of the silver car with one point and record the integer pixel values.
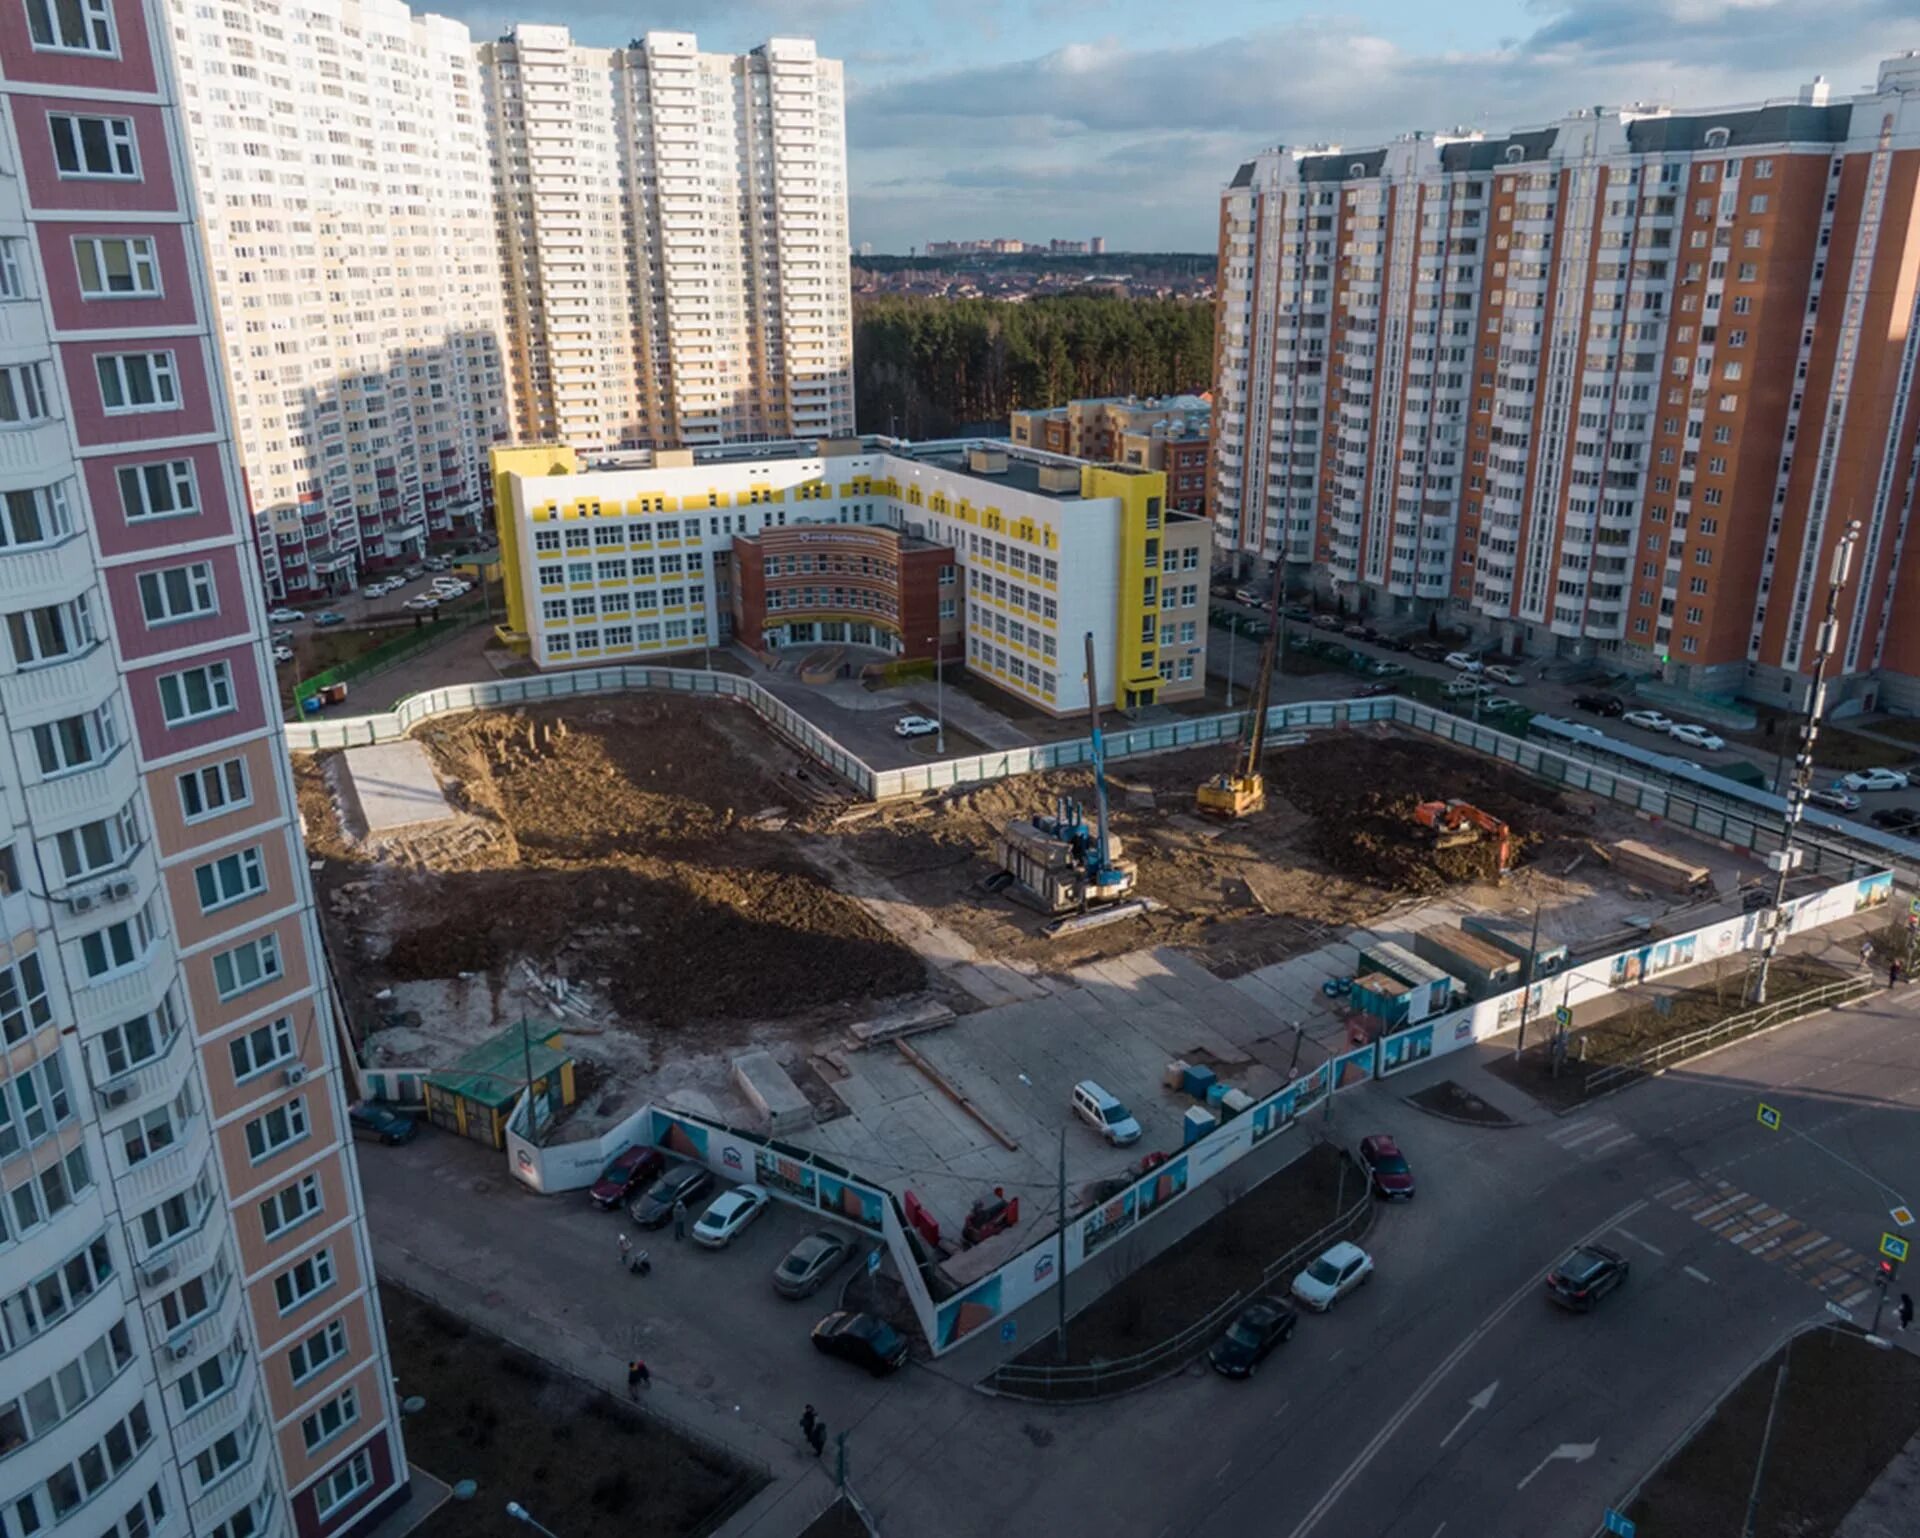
(809, 1263)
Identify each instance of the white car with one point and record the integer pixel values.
(1496, 702)
(1461, 687)
(1465, 662)
(728, 1213)
(915, 726)
(1874, 779)
(1330, 1278)
(283, 654)
(1503, 675)
(1834, 800)
(1648, 720)
(422, 603)
(1696, 736)
(284, 616)
(446, 587)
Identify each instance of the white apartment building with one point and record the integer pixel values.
(341, 151)
(673, 237)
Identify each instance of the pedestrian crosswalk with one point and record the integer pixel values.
(1775, 1237)
(1592, 1137)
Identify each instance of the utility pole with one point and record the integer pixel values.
(1233, 635)
(1787, 856)
(1747, 1528)
(1060, 1256)
(1526, 997)
(940, 694)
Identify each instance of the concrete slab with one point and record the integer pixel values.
(394, 787)
(772, 1092)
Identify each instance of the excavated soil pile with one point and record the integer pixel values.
(626, 845)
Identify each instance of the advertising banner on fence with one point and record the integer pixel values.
(855, 1203)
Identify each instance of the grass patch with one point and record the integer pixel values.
(1847, 751)
(1844, 1412)
(588, 1464)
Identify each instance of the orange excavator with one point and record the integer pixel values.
(1458, 822)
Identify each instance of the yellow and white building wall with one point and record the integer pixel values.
(631, 563)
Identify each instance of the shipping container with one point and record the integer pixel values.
(1382, 997)
(1482, 966)
(1431, 990)
(1515, 936)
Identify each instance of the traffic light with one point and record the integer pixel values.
(1888, 1271)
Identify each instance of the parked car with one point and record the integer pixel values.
(1874, 779)
(374, 590)
(727, 1214)
(1382, 668)
(1396, 643)
(1106, 1115)
(1374, 691)
(283, 654)
(1494, 703)
(1464, 685)
(378, 1122)
(437, 563)
(1388, 1173)
(414, 573)
(1428, 651)
(1360, 630)
(677, 1183)
(809, 1263)
(1260, 1326)
(915, 726)
(1834, 800)
(280, 637)
(327, 617)
(1247, 595)
(1696, 736)
(1466, 662)
(1327, 621)
(1586, 1276)
(627, 1175)
(422, 603)
(1600, 704)
(1896, 819)
(1500, 673)
(1648, 720)
(1332, 1276)
(285, 616)
(861, 1339)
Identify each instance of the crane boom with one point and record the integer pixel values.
(1098, 863)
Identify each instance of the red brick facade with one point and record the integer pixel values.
(865, 585)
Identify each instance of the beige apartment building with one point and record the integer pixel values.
(673, 239)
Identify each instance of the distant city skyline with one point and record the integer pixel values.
(991, 117)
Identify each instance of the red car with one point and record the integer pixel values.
(1387, 1169)
(630, 1173)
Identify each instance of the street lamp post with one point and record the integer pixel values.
(940, 696)
(1784, 859)
(520, 1513)
(1233, 636)
(1526, 994)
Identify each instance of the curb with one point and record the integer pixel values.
(1511, 1123)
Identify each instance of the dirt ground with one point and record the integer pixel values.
(585, 1464)
(1847, 1408)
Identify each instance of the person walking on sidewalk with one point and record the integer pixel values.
(626, 1253)
(808, 1418)
(1893, 973)
(680, 1220)
(1906, 1309)
(637, 1378)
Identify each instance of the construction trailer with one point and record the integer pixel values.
(1517, 937)
(1483, 967)
(1642, 862)
(1382, 998)
(1430, 991)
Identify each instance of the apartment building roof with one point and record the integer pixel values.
(1777, 123)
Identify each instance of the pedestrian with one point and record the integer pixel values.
(626, 1252)
(680, 1220)
(1893, 973)
(808, 1420)
(1866, 953)
(818, 1437)
(637, 1378)
(1906, 1309)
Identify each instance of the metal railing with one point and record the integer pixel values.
(1105, 1380)
(1746, 1023)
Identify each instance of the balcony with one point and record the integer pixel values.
(36, 450)
(52, 690)
(133, 992)
(166, 1173)
(190, 1253)
(239, 1486)
(127, 1094)
(222, 1414)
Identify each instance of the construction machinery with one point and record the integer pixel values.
(1062, 864)
(1241, 789)
(1458, 822)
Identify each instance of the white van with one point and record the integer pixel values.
(1106, 1115)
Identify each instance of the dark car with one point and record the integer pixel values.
(1396, 643)
(1896, 819)
(679, 1183)
(1262, 1325)
(1586, 1276)
(809, 1263)
(1388, 1172)
(1600, 704)
(1429, 651)
(381, 1123)
(627, 1176)
(1373, 691)
(861, 1339)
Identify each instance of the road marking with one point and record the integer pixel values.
(1223, 1471)
(1666, 1192)
(1698, 1276)
(1625, 1137)
(1651, 1249)
(1336, 1355)
(1573, 1452)
(1600, 1131)
(1433, 1380)
(1439, 1530)
(1855, 1299)
(1479, 1402)
(1282, 1410)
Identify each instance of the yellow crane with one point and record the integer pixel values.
(1241, 790)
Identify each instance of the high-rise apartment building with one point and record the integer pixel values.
(1613, 386)
(190, 1342)
(673, 237)
(342, 157)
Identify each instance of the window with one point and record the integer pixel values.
(93, 146)
(48, 634)
(196, 693)
(343, 1484)
(33, 1104)
(324, 1345)
(97, 1467)
(12, 285)
(230, 879)
(154, 1133)
(137, 1042)
(195, 1298)
(261, 1048)
(117, 266)
(71, 26)
(52, 1295)
(136, 381)
(302, 1281)
(199, 1384)
(176, 593)
(327, 1422)
(23, 1000)
(291, 1205)
(222, 1457)
(23, 395)
(97, 846)
(37, 516)
(117, 947)
(163, 489)
(277, 1129)
(247, 966)
(214, 788)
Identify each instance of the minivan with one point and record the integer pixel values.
(1106, 1115)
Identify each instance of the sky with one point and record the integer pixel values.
(1124, 118)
